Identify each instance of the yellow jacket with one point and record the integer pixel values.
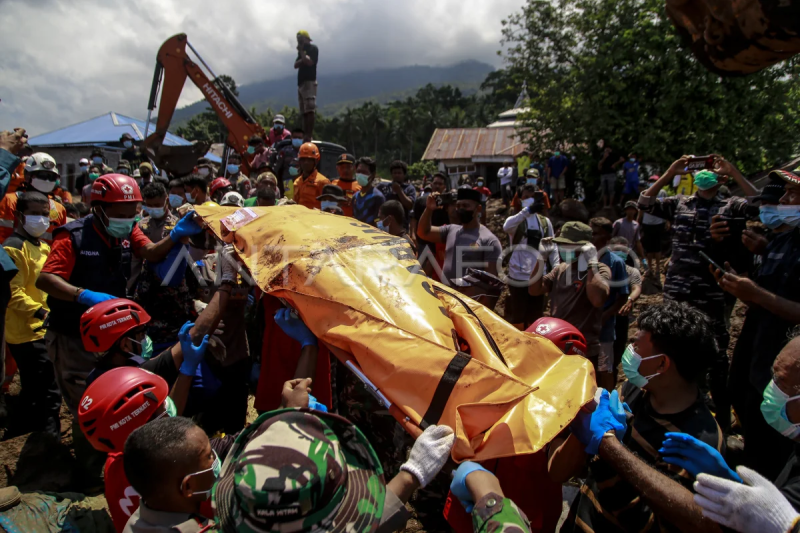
(26, 299)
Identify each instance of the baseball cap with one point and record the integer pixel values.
(300, 470)
(333, 192)
(786, 176)
(574, 232)
(279, 119)
(468, 193)
(146, 165)
(83, 161)
(631, 203)
(772, 191)
(232, 199)
(533, 172)
(654, 177)
(304, 33)
(346, 158)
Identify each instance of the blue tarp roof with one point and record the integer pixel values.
(106, 128)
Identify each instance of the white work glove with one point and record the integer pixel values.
(589, 253)
(228, 264)
(755, 506)
(429, 453)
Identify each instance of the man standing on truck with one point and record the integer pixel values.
(306, 65)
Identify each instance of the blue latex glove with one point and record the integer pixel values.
(590, 428)
(91, 298)
(695, 456)
(186, 227)
(192, 354)
(314, 404)
(619, 410)
(459, 484)
(294, 327)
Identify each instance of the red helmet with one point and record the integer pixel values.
(115, 188)
(116, 403)
(105, 323)
(561, 333)
(217, 184)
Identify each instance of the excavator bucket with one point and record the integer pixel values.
(178, 160)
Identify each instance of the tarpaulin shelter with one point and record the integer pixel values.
(434, 354)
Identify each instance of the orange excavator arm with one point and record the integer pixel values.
(174, 65)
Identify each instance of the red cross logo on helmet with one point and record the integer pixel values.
(543, 329)
(127, 189)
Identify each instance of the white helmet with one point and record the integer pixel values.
(41, 162)
(232, 199)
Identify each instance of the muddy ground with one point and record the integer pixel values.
(33, 463)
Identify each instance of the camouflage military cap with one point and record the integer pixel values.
(300, 470)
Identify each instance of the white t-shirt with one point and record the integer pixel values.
(523, 258)
(505, 175)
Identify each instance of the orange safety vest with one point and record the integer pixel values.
(8, 206)
(17, 178)
(307, 190)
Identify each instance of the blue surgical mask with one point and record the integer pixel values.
(480, 184)
(530, 181)
(325, 204)
(119, 228)
(362, 179)
(155, 212)
(176, 200)
(633, 159)
(768, 214)
(251, 149)
(789, 215)
(382, 226)
(97, 160)
(127, 144)
(773, 407)
(232, 169)
(84, 168)
(297, 143)
(630, 365)
(278, 127)
(294, 171)
(189, 197)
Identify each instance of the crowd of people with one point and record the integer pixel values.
(124, 308)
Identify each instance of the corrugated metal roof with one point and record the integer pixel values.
(466, 143)
(104, 129)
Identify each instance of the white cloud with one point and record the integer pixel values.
(65, 61)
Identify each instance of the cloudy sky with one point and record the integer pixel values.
(64, 61)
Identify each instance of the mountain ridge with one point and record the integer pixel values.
(338, 90)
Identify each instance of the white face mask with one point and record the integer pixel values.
(43, 186)
(35, 225)
(203, 171)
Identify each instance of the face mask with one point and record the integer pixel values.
(633, 159)
(36, 225)
(773, 407)
(294, 171)
(465, 216)
(480, 184)
(232, 169)
(705, 179)
(169, 405)
(297, 143)
(203, 171)
(155, 212)
(123, 171)
(530, 181)
(278, 127)
(527, 202)
(58, 183)
(789, 215)
(93, 176)
(119, 227)
(189, 197)
(127, 144)
(97, 160)
(325, 204)
(768, 214)
(382, 226)
(621, 255)
(43, 186)
(145, 347)
(251, 149)
(362, 179)
(175, 200)
(630, 365)
(84, 168)
(567, 255)
(216, 468)
(557, 154)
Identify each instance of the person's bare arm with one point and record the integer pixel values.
(307, 364)
(597, 289)
(750, 292)
(57, 287)
(208, 320)
(667, 498)
(156, 251)
(723, 166)
(180, 392)
(540, 284)
(639, 247)
(615, 165)
(567, 459)
(666, 178)
(413, 233)
(424, 229)
(401, 196)
(403, 485)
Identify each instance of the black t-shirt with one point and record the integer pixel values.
(612, 158)
(789, 480)
(604, 488)
(162, 365)
(306, 73)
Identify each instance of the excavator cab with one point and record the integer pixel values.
(173, 67)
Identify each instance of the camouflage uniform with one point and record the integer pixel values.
(495, 514)
(302, 470)
(688, 277)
